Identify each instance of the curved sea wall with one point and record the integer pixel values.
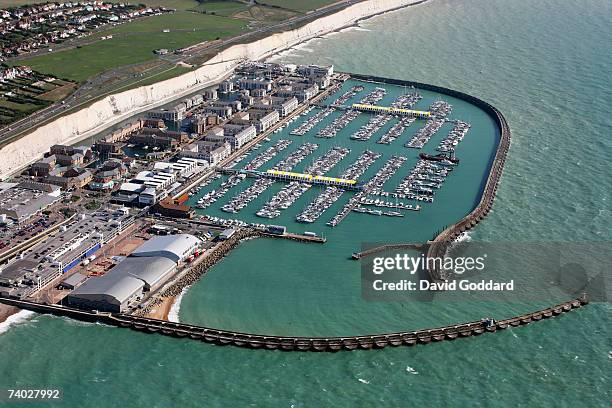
(115, 108)
(290, 343)
(440, 244)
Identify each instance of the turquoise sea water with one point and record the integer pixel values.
(546, 66)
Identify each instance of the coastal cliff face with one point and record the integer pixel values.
(115, 108)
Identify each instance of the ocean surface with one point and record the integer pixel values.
(546, 66)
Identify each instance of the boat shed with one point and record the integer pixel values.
(174, 247)
(108, 293)
(153, 271)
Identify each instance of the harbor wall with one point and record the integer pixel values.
(112, 109)
(440, 244)
(290, 343)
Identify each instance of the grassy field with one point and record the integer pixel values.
(298, 5)
(265, 15)
(23, 95)
(220, 8)
(134, 43)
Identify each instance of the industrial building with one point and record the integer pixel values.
(174, 247)
(145, 270)
(77, 242)
(73, 281)
(21, 201)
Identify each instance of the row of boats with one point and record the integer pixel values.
(363, 162)
(349, 115)
(396, 130)
(374, 124)
(290, 121)
(321, 203)
(375, 184)
(212, 196)
(422, 136)
(326, 162)
(338, 124)
(283, 199)
(439, 110)
(407, 100)
(295, 157)
(229, 222)
(374, 96)
(345, 97)
(294, 190)
(377, 212)
(312, 121)
(267, 155)
(398, 205)
(331, 194)
(204, 184)
(242, 199)
(455, 136)
(425, 177)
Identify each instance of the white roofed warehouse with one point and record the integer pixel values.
(108, 293)
(128, 282)
(175, 247)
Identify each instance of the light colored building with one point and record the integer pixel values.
(226, 86)
(263, 119)
(175, 114)
(285, 105)
(236, 135)
(23, 200)
(145, 270)
(174, 247)
(211, 152)
(255, 83)
(211, 94)
(224, 111)
(108, 293)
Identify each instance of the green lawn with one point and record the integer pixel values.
(298, 5)
(134, 43)
(220, 8)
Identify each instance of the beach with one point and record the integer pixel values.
(7, 311)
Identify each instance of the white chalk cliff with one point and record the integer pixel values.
(115, 108)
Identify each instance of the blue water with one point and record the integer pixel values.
(546, 66)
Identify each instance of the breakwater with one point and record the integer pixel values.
(290, 343)
(440, 244)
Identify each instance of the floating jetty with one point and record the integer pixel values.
(390, 110)
(293, 343)
(383, 248)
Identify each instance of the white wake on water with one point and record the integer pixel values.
(20, 317)
(463, 237)
(411, 370)
(173, 314)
